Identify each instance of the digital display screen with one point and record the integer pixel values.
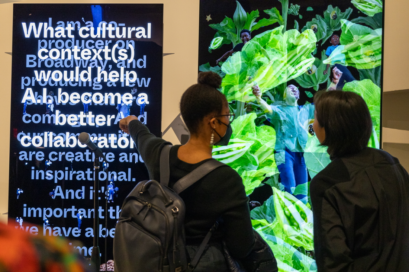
(80, 68)
(284, 52)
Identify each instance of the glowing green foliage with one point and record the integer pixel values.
(268, 60)
(333, 17)
(371, 93)
(275, 17)
(229, 29)
(314, 75)
(239, 16)
(319, 27)
(286, 224)
(316, 156)
(250, 151)
(295, 220)
(206, 67)
(294, 9)
(216, 43)
(373, 22)
(369, 7)
(361, 47)
(373, 74)
(309, 94)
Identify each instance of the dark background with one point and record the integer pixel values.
(36, 192)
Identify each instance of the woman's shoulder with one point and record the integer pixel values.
(334, 173)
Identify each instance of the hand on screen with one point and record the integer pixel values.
(256, 91)
(337, 75)
(124, 123)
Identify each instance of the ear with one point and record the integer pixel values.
(212, 122)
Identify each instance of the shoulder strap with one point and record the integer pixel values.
(202, 247)
(164, 165)
(196, 175)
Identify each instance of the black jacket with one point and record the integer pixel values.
(219, 194)
(361, 214)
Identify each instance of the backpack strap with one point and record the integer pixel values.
(164, 165)
(199, 253)
(196, 175)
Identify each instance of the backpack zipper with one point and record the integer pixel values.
(167, 222)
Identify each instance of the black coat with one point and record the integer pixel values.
(361, 214)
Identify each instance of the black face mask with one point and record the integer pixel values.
(226, 138)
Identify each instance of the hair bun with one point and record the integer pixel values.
(210, 78)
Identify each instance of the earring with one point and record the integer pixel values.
(212, 139)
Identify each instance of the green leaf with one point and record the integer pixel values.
(296, 25)
(318, 26)
(361, 47)
(206, 67)
(309, 94)
(275, 17)
(314, 75)
(268, 60)
(288, 258)
(316, 156)
(250, 151)
(294, 9)
(373, 22)
(310, 9)
(302, 189)
(239, 17)
(371, 93)
(294, 220)
(333, 17)
(369, 7)
(373, 74)
(273, 181)
(227, 25)
(251, 20)
(227, 29)
(265, 212)
(288, 220)
(300, 16)
(215, 43)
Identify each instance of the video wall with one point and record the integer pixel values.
(80, 68)
(285, 51)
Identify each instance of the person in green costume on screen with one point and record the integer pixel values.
(291, 123)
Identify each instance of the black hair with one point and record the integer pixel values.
(245, 31)
(346, 120)
(202, 99)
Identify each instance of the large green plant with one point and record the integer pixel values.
(287, 225)
(369, 7)
(371, 93)
(250, 151)
(314, 75)
(228, 31)
(268, 60)
(325, 27)
(361, 47)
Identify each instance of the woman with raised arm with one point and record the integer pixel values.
(360, 201)
(218, 196)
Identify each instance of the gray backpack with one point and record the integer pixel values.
(149, 235)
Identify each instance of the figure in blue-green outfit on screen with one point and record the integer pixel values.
(291, 123)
